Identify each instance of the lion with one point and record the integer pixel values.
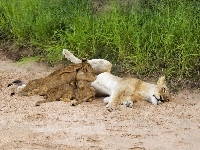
(128, 90)
(123, 90)
(77, 91)
(69, 84)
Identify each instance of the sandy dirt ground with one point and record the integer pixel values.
(57, 125)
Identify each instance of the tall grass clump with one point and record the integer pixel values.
(142, 37)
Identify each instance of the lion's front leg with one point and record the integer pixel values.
(106, 100)
(90, 94)
(67, 96)
(88, 98)
(114, 100)
(75, 102)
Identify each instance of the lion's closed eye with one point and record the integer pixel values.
(163, 90)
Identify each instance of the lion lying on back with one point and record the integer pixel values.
(124, 90)
(128, 90)
(70, 84)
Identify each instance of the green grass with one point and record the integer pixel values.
(152, 37)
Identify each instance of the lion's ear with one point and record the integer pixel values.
(163, 90)
(161, 81)
(71, 68)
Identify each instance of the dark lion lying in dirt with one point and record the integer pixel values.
(69, 84)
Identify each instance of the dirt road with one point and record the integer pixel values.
(57, 125)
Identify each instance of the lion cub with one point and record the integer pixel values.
(70, 84)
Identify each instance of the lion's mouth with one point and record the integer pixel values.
(159, 99)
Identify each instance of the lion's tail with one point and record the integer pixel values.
(20, 84)
(16, 82)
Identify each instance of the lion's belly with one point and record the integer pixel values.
(105, 83)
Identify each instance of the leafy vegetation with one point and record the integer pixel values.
(143, 37)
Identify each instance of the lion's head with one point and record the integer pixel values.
(162, 93)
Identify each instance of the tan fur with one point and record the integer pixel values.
(65, 84)
(130, 89)
(84, 92)
(137, 91)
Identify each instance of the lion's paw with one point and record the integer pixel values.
(110, 107)
(89, 100)
(74, 103)
(128, 104)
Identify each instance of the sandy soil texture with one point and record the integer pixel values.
(57, 125)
